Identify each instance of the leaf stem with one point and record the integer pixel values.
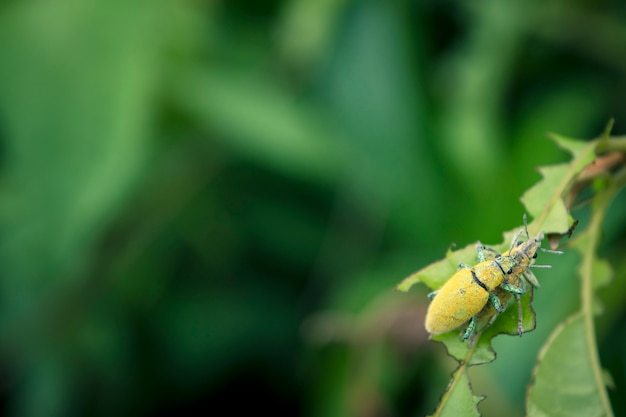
(599, 208)
(613, 144)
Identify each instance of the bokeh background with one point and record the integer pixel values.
(205, 205)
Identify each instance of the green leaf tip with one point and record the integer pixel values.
(574, 146)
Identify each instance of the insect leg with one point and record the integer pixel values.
(520, 316)
(470, 329)
(531, 278)
(495, 301)
(482, 256)
(514, 289)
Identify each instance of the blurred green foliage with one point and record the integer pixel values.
(206, 204)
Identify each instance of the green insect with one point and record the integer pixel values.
(474, 293)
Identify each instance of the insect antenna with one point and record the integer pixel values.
(518, 234)
(515, 239)
(526, 227)
(555, 252)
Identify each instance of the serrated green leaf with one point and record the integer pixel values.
(568, 378)
(458, 400)
(482, 350)
(564, 380)
(462, 351)
(453, 343)
(576, 148)
(544, 201)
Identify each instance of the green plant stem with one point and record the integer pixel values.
(599, 208)
(613, 144)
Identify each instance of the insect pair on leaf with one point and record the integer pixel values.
(477, 293)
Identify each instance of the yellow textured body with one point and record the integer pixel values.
(462, 297)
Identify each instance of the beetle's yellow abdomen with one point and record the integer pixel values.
(455, 303)
(465, 294)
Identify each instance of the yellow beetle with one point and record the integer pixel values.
(465, 296)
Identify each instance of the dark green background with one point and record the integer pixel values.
(204, 205)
